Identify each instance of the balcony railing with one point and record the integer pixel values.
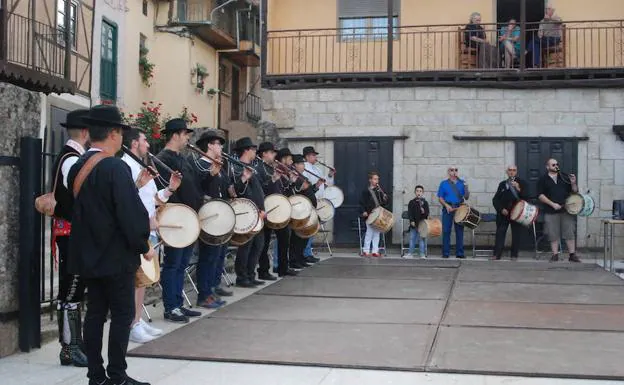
(34, 46)
(251, 108)
(443, 48)
(201, 12)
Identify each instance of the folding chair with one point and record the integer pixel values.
(160, 259)
(404, 217)
(325, 240)
(485, 218)
(362, 233)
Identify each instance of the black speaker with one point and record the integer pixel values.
(618, 209)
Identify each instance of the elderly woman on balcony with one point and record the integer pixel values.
(474, 37)
(548, 35)
(509, 39)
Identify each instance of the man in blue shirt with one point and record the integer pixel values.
(451, 194)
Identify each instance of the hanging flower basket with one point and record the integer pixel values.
(146, 68)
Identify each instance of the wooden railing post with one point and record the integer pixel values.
(4, 29)
(68, 40)
(522, 35)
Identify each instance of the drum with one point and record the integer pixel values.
(524, 213)
(580, 204)
(301, 211)
(381, 219)
(148, 273)
(178, 225)
(335, 195)
(311, 228)
(241, 239)
(467, 217)
(429, 228)
(217, 220)
(278, 209)
(325, 210)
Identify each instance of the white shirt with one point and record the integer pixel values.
(313, 179)
(70, 161)
(148, 192)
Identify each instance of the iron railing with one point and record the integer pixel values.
(250, 27)
(251, 108)
(582, 44)
(34, 45)
(201, 12)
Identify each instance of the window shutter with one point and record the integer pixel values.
(366, 8)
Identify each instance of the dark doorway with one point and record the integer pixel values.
(531, 157)
(235, 93)
(508, 9)
(354, 159)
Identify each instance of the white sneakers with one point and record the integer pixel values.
(142, 332)
(408, 256)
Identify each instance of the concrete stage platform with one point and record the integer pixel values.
(515, 318)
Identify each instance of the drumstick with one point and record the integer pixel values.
(171, 226)
(296, 203)
(320, 207)
(208, 217)
(246, 212)
(273, 209)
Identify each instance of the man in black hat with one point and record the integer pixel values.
(304, 187)
(176, 260)
(71, 287)
(110, 229)
(283, 235)
(269, 179)
(213, 183)
(310, 155)
(247, 185)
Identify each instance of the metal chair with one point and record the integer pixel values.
(485, 218)
(404, 217)
(324, 241)
(362, 232)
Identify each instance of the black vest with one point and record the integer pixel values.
(62, 194)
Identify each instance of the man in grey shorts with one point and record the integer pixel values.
(553, 190)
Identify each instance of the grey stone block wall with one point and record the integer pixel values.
(429, 117)
(20, 115)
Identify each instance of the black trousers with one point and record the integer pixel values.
(263, 262)
(283, 244)
(71, 287)
(114, 293)
(247, 257)
(502, 222)
(297, 246)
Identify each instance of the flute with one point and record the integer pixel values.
(329, 167)
(153, 158)
(276, 169)
(202, 153)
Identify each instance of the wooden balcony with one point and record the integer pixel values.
(215, 24)
(33, 56)
(589, 53)
(248, 51)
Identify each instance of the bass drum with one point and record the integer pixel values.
(429, 228)
(325, 210)
(149, 271)
(217, 220)
(311, 228)
(467, 217)
(278, 209)
(178, 225)
(335, 195)
(381, 219)
(524, 213)
(241, 239)
(580, 204)
(301, 211)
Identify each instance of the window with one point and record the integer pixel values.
(366, 19)
(108, 62)
(60, 21)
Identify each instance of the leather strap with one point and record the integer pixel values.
(60, 166)
(86, 170)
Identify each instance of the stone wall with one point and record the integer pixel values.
(20, 115)
(429, 117)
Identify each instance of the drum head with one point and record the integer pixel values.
(325, 209)
(178, 225)
(217, 218)
(517, 209)
(574, 204)
(149, 269)
(278, 208)
(301, 207)
(373, 215)
(423, 228)
(461, 213)
(335, 195)
(247, 215)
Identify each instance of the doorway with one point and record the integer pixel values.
(235, 107)
(531, 157)
(508, 9)
(355, 158)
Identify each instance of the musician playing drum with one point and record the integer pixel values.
(176, 260)
(451, 194)
(213, 183)
(417, 210)
(553, 190)
(372, 197)
(310, 156)
(269, 180)
(303, 187)
(135, 140)
(283, 235)
(509, 191)
(247, 185)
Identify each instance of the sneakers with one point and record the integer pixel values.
(139, 335)
(574, 258)
(408, 256)
(554, 258)
(189, 312)
(223, 292)
(209, 303)
(152, 331)
(376, 255)
(127, 381)
(423, 256)
(177, 316)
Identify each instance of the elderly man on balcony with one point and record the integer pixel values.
(548, 35)
(474, 37)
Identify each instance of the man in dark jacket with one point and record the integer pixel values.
(509, 191)
(110, 229)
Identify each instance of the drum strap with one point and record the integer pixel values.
(513, 190)
(456, 191)
(374, 197)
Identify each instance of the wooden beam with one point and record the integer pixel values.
(480, 138)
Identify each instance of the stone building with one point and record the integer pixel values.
(413, 108)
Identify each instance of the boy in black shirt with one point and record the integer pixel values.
(418, 210)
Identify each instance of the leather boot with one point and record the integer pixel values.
(78, 357)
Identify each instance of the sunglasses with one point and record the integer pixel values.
(453, 169)
(512, 169)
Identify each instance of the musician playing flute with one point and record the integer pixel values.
(509, 192)
(311, 165)
(371, 198)
(138, 145)
(213, 183)
(269, 178)
(111, 229)
(71, 287)
(303, 186)
(247, 185)
(176, 260)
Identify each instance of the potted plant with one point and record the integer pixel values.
(146, 68)
(200, 73)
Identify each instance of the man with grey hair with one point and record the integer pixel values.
(548, 35)
(509, 192)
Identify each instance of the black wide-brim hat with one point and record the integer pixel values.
(298, 158)
(282, 153)
(74, 119)
(105, 115)
(266, 146)
(243, 143)
(309, 150)
(210, 135)
(176, 125)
